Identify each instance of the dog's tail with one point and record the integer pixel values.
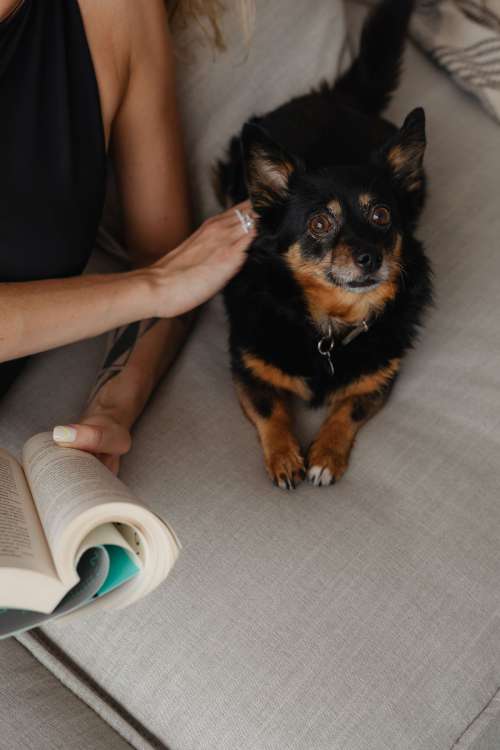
(373, 77)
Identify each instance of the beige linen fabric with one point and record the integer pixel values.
(294, 45)
(360, 617)
(38, 713)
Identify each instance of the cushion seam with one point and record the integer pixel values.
(475, 718)
(82, 677)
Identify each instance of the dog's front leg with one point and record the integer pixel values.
(329, 454)
(269, 412)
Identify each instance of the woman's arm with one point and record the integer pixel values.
(137, 357)
(148, 156)
(177, 283)
(40, 315)
(150, 166)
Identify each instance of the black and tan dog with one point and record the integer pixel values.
(332, 291)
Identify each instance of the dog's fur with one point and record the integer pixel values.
(337, 191)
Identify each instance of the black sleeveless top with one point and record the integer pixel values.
(52, 146)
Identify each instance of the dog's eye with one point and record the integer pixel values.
(381, 216)
(320, 224)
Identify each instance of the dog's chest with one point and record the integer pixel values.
(325, 363)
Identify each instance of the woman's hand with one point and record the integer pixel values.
(184, 279)
(202, 264)
(40, 315)
(101, 434)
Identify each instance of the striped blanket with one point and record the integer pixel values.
(463, 37)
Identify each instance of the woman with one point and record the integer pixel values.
(80, 79)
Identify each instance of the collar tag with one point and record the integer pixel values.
(326, 344)
(362, 328)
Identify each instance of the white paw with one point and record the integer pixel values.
(320, 476)
(284, 483)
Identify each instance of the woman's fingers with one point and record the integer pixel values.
(242, 209)
(245, 207)
(111, 439)
(230, 216)
(204, 262)
(110, 462)
(221, 228)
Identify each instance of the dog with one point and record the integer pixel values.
(333, 288)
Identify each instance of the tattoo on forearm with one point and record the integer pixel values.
(122, 343)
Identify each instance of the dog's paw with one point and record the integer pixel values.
(325, 467)
(286, 467)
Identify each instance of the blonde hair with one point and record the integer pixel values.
(207, 15)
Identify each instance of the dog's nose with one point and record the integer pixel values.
(369, 261)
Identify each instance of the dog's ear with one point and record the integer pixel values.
(403, 154)
(268, 168)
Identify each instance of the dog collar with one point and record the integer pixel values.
(327, 343)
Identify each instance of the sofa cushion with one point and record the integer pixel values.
(292, 48)
(36, 711)
(360, 617)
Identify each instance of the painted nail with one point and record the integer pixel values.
(64, 434)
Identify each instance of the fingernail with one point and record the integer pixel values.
(64, 434)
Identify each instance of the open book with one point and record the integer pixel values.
(72, 535)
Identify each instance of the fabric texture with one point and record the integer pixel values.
(292, 48)
(360, 617)
(38, 713)
(463, 37)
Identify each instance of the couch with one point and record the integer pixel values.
(365, 616)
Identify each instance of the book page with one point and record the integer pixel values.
(22, 541)
(75, 494)
(93, 570)
(65, 484)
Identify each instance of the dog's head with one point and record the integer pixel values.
(340, 229)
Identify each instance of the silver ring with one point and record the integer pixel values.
(246, 221)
